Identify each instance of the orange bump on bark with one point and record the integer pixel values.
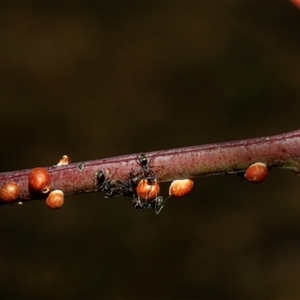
(257, 172)
(147, 191)
(9, 192)
(181, 187)
(55, 199)
(65, 160)
(39, 180)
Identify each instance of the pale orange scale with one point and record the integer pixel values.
(257, 172)
(181, 187)
(9, 192)
(65, 160)
(147, 191)
(39, 180)
(55, 199)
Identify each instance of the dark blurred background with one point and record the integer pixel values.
(100, 79)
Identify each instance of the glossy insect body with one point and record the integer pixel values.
(120, 188)
(101, 183)
(180, 187)
(146, 190)
(39, 180)
(104, 185)
(143, 160)
(10, 191)
(144, 163)
(257, 172)
(55, 199)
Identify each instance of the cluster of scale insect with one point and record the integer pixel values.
(128, 188)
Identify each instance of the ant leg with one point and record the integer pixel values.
(159, 201)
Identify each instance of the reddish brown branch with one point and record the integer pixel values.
(279, 151)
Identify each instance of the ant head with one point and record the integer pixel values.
(100, 176)
(143, 159)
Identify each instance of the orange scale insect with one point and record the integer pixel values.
(180, 187)
(147, 191)
(257, 172)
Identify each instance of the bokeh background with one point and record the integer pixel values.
(104, 78)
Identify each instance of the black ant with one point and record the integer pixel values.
(146, 166)
(121, 188)
(100, 182)
(143, 160)
(128, 188)
(104, 185)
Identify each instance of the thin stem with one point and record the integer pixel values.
(278, 151)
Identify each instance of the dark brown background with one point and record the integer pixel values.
(100, 79)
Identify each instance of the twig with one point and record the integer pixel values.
(278, 151)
